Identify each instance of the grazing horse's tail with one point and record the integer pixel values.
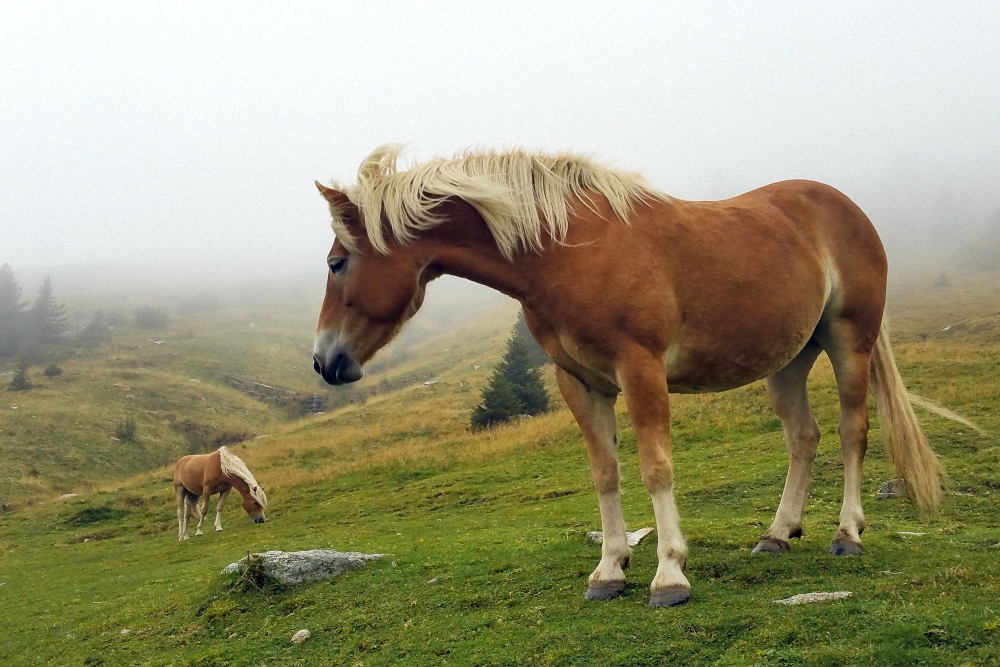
(915, 462)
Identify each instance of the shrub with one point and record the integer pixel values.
(52, 370)
(149, 317)
(126, 430)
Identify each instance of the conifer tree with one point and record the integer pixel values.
(11, 312)
(515, 388)
(47, 318)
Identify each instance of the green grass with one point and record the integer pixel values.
(497, 522)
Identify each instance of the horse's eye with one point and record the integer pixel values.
(338, 264)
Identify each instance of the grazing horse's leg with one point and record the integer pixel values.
(643, 379)
(201, 507)
(790, 400)
(218, 508)
(595, 412)
(852, 368)
(182, 533)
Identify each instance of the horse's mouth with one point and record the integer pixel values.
(342, 370)
(258, 519)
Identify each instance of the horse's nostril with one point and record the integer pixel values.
(316, 366)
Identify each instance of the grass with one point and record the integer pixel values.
(487, 558)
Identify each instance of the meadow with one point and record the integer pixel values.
(484, 534)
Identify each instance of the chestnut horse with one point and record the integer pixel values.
(632, 292)
(200, 476)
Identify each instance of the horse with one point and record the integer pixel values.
(198, 477)
(631, 291)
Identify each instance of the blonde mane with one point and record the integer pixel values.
(518, 194)
(234, 466)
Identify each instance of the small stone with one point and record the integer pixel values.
(300, 636)
(66, 496)
(909, 533)
(433, 581)
(234, 635)
(809, 598)
(633, 538)
(893, 488)
(126, 631)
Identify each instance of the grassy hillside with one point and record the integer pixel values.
(487, 559)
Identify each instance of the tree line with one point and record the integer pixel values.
(37, 331)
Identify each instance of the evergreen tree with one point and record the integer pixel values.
(97, 330)
(47, 318)
(515, 388)
(499, 405)
(11, 312)
(537, 355)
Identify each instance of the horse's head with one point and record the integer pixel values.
(369, 296)
(253, 508)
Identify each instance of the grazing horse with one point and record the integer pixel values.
(199, 476)
(633, 292)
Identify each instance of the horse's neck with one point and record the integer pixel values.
(464, 247)
(237, 483)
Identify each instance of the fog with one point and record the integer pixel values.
(180, 140)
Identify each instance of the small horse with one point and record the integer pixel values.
(630, 291)
(199, 476)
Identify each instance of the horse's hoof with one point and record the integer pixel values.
(218, 530)
(198, 533)
(771, 545)
(669, 597)
(846, 548)
(608, 591)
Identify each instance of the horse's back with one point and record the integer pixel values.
(195, 471)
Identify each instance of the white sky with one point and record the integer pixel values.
(142, 131)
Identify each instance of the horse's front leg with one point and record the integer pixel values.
(201, 507)
(182, 533)
(643, 380)
(595, 412)
(218, 508)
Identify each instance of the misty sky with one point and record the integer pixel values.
(188, 130)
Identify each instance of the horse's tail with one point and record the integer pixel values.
(915, 462)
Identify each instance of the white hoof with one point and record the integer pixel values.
(198, 533)
(218, 529)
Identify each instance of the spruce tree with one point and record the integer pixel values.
(11, 312)
(537, 355)
(47, 318)
(515, 388)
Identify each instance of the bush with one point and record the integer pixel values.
(52, 370)
(149, 317)
(126, 430)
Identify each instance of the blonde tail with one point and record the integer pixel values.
(908, 448)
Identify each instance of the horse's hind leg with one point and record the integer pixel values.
(850, 353)
(790, 400)
(595, 413)
(218, 509)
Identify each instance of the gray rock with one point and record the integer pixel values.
(894, 488)
(295, 567)
(633, 538)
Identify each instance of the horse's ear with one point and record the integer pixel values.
(334, 197)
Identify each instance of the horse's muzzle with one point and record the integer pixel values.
(258, 519)
(343, 369)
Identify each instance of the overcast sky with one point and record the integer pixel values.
(191, 130)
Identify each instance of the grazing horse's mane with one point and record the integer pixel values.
(518, 194)
(233, 465)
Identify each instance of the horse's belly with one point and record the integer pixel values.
(706, 363)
